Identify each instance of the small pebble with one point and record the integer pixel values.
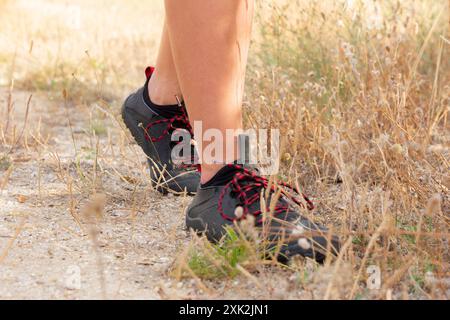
(239, 212)
(298, 231)
(304, 244)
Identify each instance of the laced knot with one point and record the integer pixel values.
(247, 185)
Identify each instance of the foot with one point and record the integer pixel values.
(221, 205)
(153, 131)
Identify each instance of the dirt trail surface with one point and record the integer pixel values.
(47, 248)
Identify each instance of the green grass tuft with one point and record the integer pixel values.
(222, 259)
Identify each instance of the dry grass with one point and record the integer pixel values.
(359, 89)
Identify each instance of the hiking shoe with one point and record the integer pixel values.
(216, 207)
(153, 133)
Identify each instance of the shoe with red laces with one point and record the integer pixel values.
(153, 131)
(238, 195)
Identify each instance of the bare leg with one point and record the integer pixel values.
(163, 86)
(210, 41)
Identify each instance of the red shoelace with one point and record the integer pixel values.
(246, 185)
(181, 120)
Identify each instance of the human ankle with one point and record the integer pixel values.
(163, 92)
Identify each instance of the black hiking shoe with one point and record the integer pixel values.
(216, 207)
(153, 133)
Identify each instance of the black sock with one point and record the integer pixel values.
(168, 111)
(222, 177)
